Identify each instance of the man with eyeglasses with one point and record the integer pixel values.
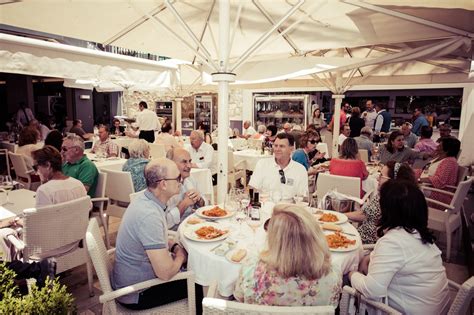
(143, 251)
(77, 165)
(281, 173)
(182, 205)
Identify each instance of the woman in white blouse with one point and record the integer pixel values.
(405, 267)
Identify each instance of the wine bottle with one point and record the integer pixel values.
(255, 207)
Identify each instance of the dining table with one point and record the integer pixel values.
(209, 267)
(251, 157)
(20, 199)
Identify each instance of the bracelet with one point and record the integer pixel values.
(173, 247)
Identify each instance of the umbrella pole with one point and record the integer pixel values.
(336, 125)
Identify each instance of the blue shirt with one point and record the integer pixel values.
(136, 167)
(301, 157)
(419, 122)
(143, 228)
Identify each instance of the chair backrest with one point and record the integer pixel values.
(219, 306)
(255, 143)
(52, 227)
(348, 299)
(19, 164)
(7, 160)
(364, 155)
(461, 193)
(463, 298)
(157, 150)
(119, 185)
(99, 256)
(230, 161)
(343, 184)
(11, 147)
(101, 184)
(462, 173)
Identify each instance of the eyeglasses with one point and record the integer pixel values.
(313, 141)
(178, 179)
(67, 148)
(282, 177)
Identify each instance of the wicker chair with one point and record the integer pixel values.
(58, 231)
(103, 267)
(347, 305)
(100, 201)
(213, 305)
(464, 297)
(23, 174)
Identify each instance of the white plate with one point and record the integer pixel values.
(189, 232)
(342, 249)
(200, 210)
(342, 218)
(229, 255)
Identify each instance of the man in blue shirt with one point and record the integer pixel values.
(419, 121)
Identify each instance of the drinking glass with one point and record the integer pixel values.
(254, 224)
(6, 185)
(276, 196)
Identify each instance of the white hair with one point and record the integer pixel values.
(198, 133)
(76, 141)
(296, 128)
(139, 148)
(261, 128)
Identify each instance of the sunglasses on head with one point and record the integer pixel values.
(282, 177)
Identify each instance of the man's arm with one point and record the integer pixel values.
(164, 266)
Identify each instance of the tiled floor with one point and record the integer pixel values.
(76, 280)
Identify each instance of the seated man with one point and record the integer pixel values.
(281, 173)
(248, 130)
(77, 129)
(364, 140)
(189, 198)
(116, 129)
(105, 146)
(143, 251)
(77, 165)
(201, 152)
(346, 131)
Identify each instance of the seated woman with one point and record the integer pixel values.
(270, 135)
(443, 169)
(347, 164)
(405, 266)
(139, 151)
(426, 144)
(283, 275)
(395, 150)
(27, 143)
(166, 137)
(370, 213)
(308, 142)
(261, 130)
(56, 187)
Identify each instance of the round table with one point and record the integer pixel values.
(251, 157)
(209, 267)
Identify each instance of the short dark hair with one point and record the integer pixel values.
(105, 127)
(349, 149)
(392, 137)
(115, 119)
(403, 205)
(55, 139)
(308, 135)
(284, 135)
(426, 132)
(48, 154)
(355, 112)
(451, 146)
(28, 135)
(166, 127)
(404, 172)
(273, 129)
(75, 122)
(143, 104)
(380, 105)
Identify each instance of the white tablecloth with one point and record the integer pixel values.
(203, 178)
(251, 157)
(109, 163)
(21, 199)
(209, 267)
(123, 142)
(323, 147)
(238, 143)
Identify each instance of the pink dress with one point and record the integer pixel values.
(445, 174)
(351, 168)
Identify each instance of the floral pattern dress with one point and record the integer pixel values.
(136, 167)
(259, 285)
(368, 228)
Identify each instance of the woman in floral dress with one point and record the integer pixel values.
(296, 269)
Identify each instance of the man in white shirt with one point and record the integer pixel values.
(201, 152)
(281, 173)
(369, 115)
(182, 205)
(346, 131)
(148, 122)
(248, 130)
(24, 115)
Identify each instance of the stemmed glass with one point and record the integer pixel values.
(375, 157)
(254, 223)
(242, 213)
(6, 184)
(276, 196)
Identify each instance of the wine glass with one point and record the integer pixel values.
(6, 185)
(276, 196)
(254, 222)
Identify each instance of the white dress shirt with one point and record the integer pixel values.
(147, 120)
(203, 157)
(369, 118)
(341, 139)
(173, 217)
(267, 177)
(408, 272)
(249, 131)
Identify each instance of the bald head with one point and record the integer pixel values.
(182, 158)
(162, 178)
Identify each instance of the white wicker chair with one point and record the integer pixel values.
(351, 296)
(23, 174)
(7, 160)
(99, 202)
(103, 267)
(52, 231)
(449, 220)
(364, 155)
(464, 297)
(213, 305)
(344, 184)
(236, 170)
(157, 150)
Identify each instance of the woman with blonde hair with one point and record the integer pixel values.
(296, 268)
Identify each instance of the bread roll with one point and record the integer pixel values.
(239, 255)
(194, 221)
(331, 227)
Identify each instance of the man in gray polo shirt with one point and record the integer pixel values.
(142, 249)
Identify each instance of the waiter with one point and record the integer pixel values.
(148, 122)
